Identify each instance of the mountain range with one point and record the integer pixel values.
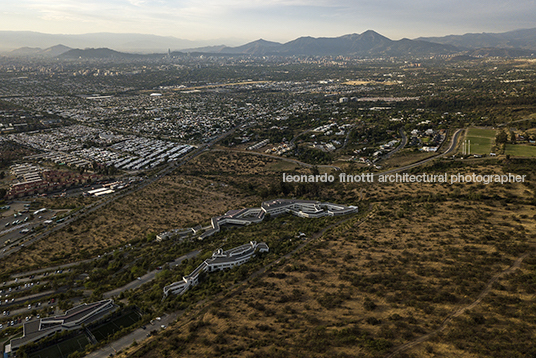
(139, 43)
(53, 51)
(521, 39)
(367, 44)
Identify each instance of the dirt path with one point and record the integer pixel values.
(460, 310)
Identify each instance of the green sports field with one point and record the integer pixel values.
(482, 140)
(520, 150)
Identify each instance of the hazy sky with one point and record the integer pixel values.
(276, 20)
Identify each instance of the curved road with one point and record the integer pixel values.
(148, 276)
(400, 146)
(452, 148)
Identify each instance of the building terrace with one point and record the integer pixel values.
(220, 260)
(243, 217)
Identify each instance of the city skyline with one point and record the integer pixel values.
(239, 21)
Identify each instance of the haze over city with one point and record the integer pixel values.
(278, 178)
(238, 21)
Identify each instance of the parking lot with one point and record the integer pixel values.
(15, 223)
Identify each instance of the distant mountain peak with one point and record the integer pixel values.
(371, 33)
(56, 50)
(36, 51)
(265, 42)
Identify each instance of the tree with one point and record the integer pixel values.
(369, 304)
(501, 137)
(151, 236)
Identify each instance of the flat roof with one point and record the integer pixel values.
(108, 191)
(93, 191)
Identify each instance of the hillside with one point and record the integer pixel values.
(521, 39)
(367, 44)
(53, 51)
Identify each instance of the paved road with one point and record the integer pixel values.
(31, 297)
(131, 285)
(39, 273)
(401, 146)
(138, 335)
(43, 310)
(296, 136)
(148, 276)
(347, 138)
(451, 149)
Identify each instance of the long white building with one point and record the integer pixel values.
(220, 260)
(73, 319)
(305, 208)
(243, 217)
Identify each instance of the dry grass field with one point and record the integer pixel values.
(366, 287)
(406, 157)
(207, 186)
(416, 255)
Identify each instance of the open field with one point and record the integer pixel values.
(357, 83)
(243, 83)
(365, 288)
(405, 157)
(281, 165)
(520, 150)
(481, 139)
(362, 83)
